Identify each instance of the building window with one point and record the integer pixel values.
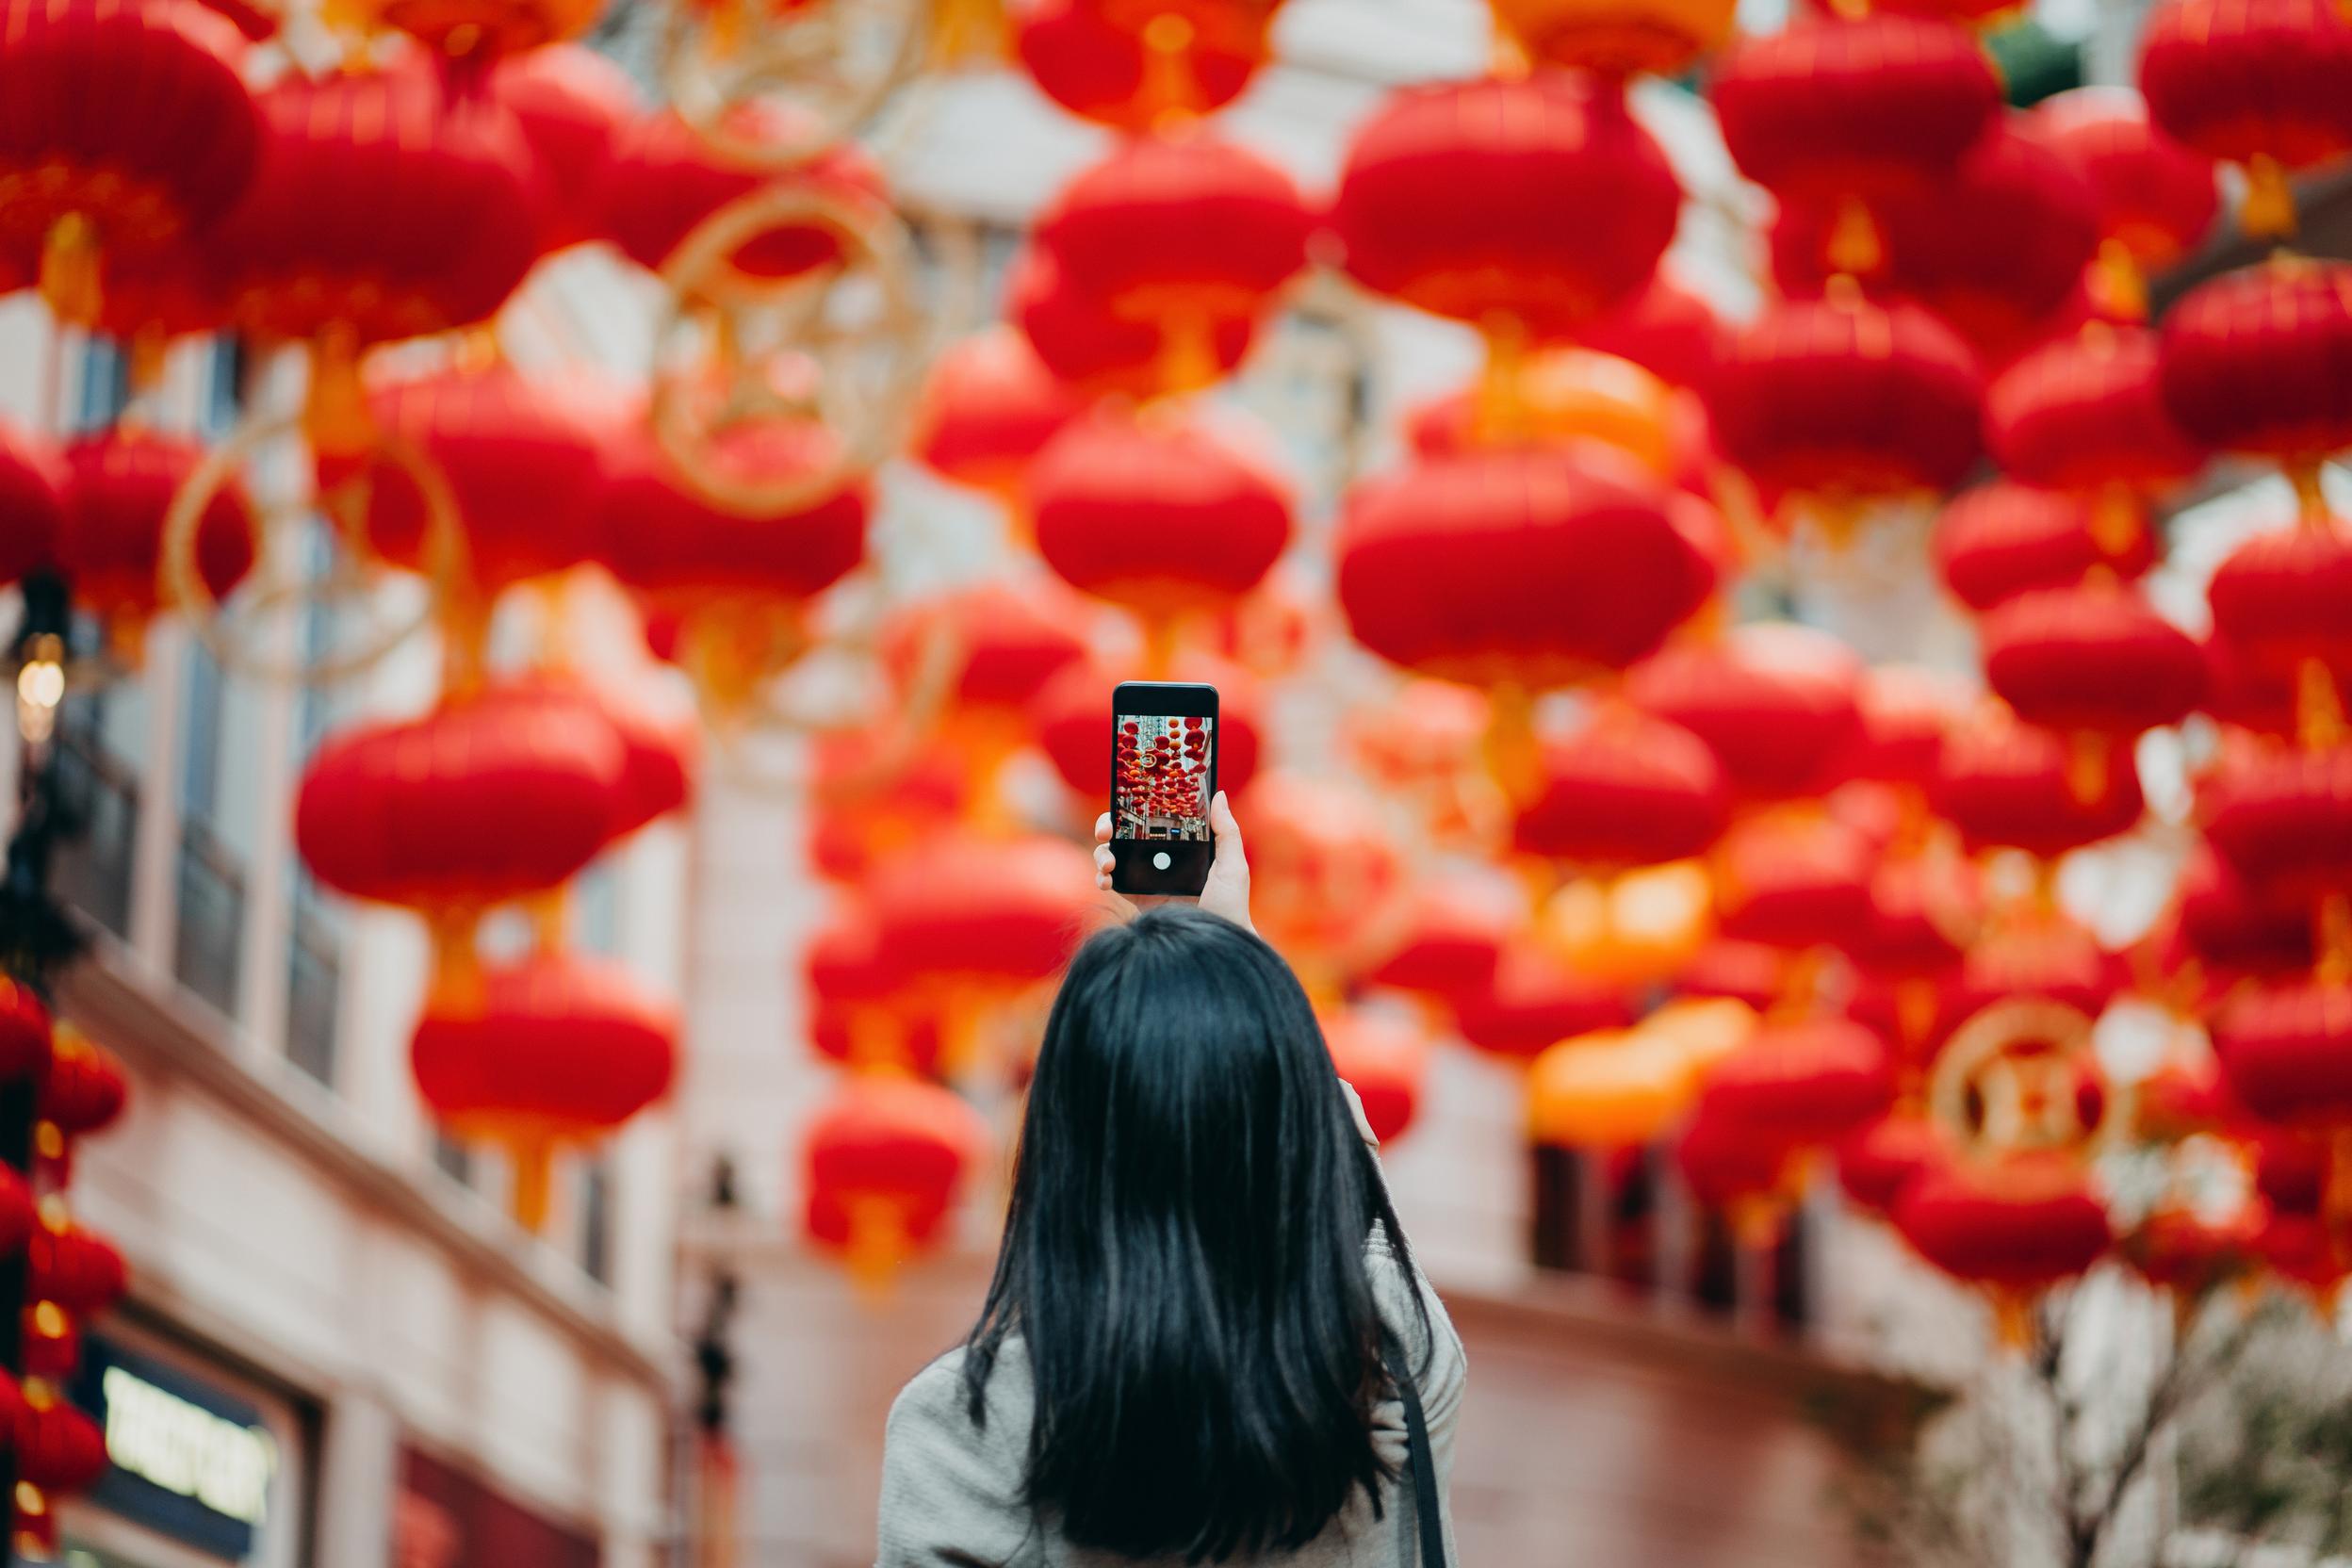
(98, 793)
(596, 1218)
(211, 929)
(314, 981)
(106, 386)
(596, 923)
(454, 1159)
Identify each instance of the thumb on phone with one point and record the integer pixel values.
(1227, 890)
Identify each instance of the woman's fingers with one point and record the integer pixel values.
(1102, 828)
(1103, 865)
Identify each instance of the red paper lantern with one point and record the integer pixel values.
(2094, 660)
(1906, 711)
(2236, 929)
(1533, 1003)
(2290, 1170)
(1435, 205)
(1735, 1165)
(2022, 1225)
(1792, 881)
(1084, 343)
(980, 911)
(489, 797)
(52, 1344)
(77, 1269)
(2287, 1051)
(2048, 956)
(665, 178)
(1535, 568)
(2180, 1251)
(1745, 972)
(1811, 1081)
(1325, 868)
(18, 1214)
(870, 797)
(1182, 232)
(26, 1034)
(1921, 916)
(884, 1163)
(1383, 1058)
(521, 460)
(1452, 941)
(2285, 597)
(1626, 790)
(1157, 513)
(1777, 703)
(2259, 360)
(2305, 1251)
(1004, 641)
(32, 501)
(990, 406)
(2155, 198)
(1831, 109)
(558, 1047)
(119, 487)
(1180, 62)
(382, 209)
(2283, 819)
(2007, 785)
(59, 1449)
(1999, 540)
(83, 1091)
(1849, 398)
(2086, 412)
(573, 107)
(1617, 38)
(86, 180)
(1878, 1162)
(2262, 82)
(1666, 329)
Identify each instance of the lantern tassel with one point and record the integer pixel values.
(1855, 248)
(535, 1165)
(1168, 84)
(1511, 750)
(1188, 358)
(2117, 285)
(335, 416)
(877, 1243)
(2086, 767)
(2013, 1319)
(70, 270)
(2318, 706)
(2269, 209)
(2115, 521)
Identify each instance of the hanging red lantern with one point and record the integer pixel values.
(2180, 1251)
(1326, 872)
(1751, 973)
(489, 797)
(2015, 1227)
(1183, 61)
(1792, 880)
(665, 178)
(1667, 329)
(1906, 711)
(1083, 342)
(1161, 513)
(573, 106)
(83, 1091)
(2155, 198)
(19, 1217)
(2287, 1051)
(1626, 790)
(26, 1034)
(1779, 705)
(1847, 398)
(1179, 232)
(980, 912)
(884, 1163)
(1434, 202)
(1807, 1081)
(2266, 84)
(2094, 661)
(1383, 1058)
(1452, 939)
(88, 183)
(2259, 360)
(2046, 956)
(469, 32)
(2246, 694)
(858, 1006)
(2284, 598)
(1999, 540)
(2085, 413)
(381, 210)
(1878, 1162)
(59, 1449)
(1001, 641)
(52, 1344)
(1532, 568)
(1833, 109)
(76, 1267)
(872, 794)
(1533, 1003)
(1617, 38)
(2008, 785)
(2236, 929)
(1743, 1169)
(119, 489)
(2282, 819)
(990, 406)
(32, 501)
(521, 459)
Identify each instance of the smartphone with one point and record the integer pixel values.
(1163, 776)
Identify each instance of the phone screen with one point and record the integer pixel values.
(1162, 776)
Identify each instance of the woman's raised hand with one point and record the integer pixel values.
(1227, 891)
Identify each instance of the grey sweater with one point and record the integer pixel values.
(951, 1491)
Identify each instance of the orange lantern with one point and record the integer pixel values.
(884, 1163)
(1606, 1090)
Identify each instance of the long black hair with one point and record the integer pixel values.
(1184, 1254)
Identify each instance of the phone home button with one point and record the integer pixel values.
(1162, 860)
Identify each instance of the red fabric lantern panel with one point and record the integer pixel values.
(1792, 881)
(2259, 360)
(119, 488)
(382, 209)
(1159, 512)
(1999, 540)
(573, 106)
(664, 539)
(872, 798)
(561, 1046)
(1877, 1163)
(26, 1035)
(989, 405)
(1744, 972)
(981, 911)
(1831, 109)
(1384, 1059)
(2263, 83)
(1535, 568)
(2242, 690)
(1778, 704)
(1906, 711)
(2155, 198)
(1533, 1003)
(2094, 660)
(1072, 712)
(1453, 937)
(1813, 1081)
(665, 178)
(487, 799)
(1188, 230)
(1471, 199)
(19, 1217)
(1844, 397)
(84, 1090)
(59, 1449)
(1734, 1165)
(1182, 61)
(2051, 957)
(884, 1163)
(80, 1270)
(1626, 790)
(522, 463)
(2024, 1224)
(2287, 1051)
(85, 178)
(2284, 597)
(1667, 329)
(2007, 785)
(1084, 343)
(32, 501)
(2086, 412)
(2236, 930)
(1005, 641)
(1327, 871)
(2282, 819)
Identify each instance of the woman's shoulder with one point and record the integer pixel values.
(938, 1397)
(1405, 1297)
(951, 1486)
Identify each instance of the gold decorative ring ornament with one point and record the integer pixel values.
(2021, 1075)
(831, 65)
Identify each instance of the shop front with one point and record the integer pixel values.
(445, 1517)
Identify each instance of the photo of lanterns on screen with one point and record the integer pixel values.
(1161, 776)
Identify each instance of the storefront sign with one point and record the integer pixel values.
(189, 1460)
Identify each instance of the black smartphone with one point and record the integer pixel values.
(1163, 776)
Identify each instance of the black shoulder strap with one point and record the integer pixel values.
(1417, 1458)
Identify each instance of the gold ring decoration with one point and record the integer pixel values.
(256, 632)
(842, 346)
(836, 61)
(2011, 1080)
